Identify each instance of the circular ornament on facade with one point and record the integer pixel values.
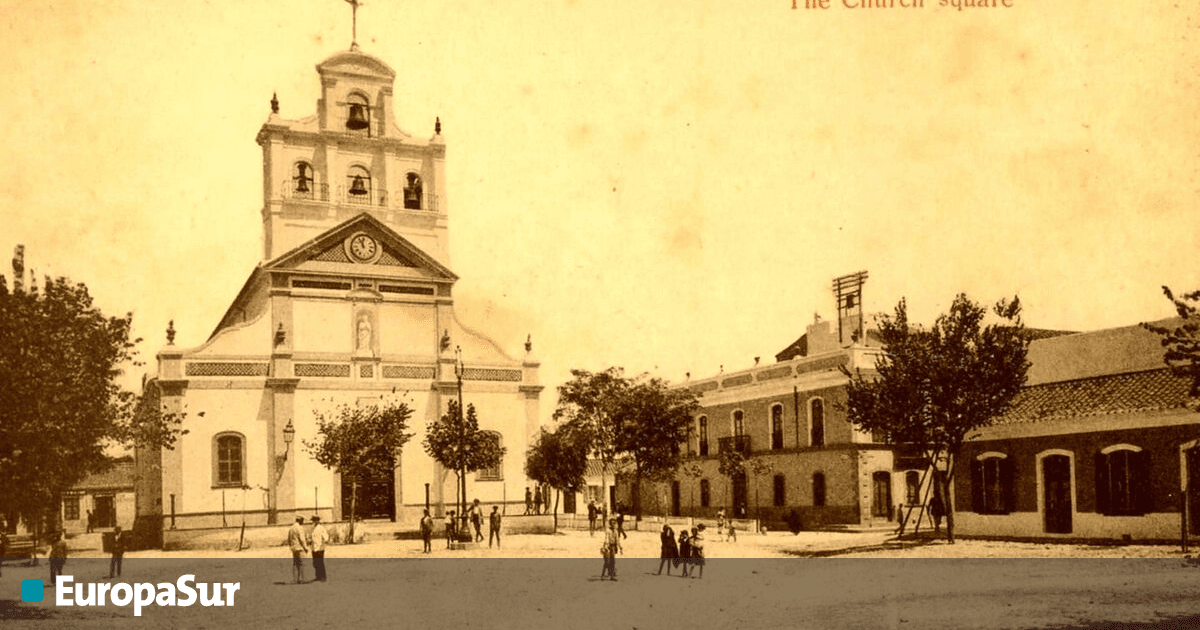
(362, 248)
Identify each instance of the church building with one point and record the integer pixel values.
(352, 303)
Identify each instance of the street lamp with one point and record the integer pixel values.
(289, 434)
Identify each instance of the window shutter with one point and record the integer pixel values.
(977, 486)
(1141, 484)
(1008, 485)
(1102, 502)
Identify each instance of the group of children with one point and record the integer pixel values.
(688, 551)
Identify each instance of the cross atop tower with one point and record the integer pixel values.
(354, 4)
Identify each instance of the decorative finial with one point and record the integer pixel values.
(528, 343)
(171, 333)
(280, 335)
(437, 126)
(274, 103)
(354, 4)
(756, 361)
(445, 340)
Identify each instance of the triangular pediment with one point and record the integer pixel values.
(363, 245)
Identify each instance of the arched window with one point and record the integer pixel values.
(229, 460)
(992, 489)
(818, 489)
(412, 191)
(704, 493)
(739, 425)
(703, 433)
(1122, 482)
(495, 473)
(816, 422)
(358, 185)
(303, 182)
(780, 491)
(776, 426)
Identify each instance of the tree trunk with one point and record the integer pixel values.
(353, 508)
(946, 500)
(556, 494)
(637, 493)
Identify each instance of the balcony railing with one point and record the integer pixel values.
(314, 192)
(738, 443)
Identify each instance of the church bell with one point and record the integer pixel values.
(358, 117)
(359, 186)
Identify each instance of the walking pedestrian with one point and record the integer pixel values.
(685, 552)
(449, 528)
(118, 552)
(669, 551)
(592, 513)
(698, 548)
(537, 499)
(731, 534)
(621, 523)
(528, 501)
(494, 527)
(58, 557)
(721, 520)
(477, 520)
(296, 544)
(937, 510)
(427, 532)
(317, 540)
(91, 521)
(610, 549)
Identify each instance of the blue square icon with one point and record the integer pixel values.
(31, 591)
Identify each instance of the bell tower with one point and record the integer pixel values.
(351, 157)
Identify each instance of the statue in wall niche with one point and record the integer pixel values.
(364, 334)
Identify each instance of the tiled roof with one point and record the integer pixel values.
(1150, 390)
(119, 476)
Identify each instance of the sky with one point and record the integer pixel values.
(666, 187)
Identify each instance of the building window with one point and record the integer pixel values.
(992, 484)
(412, 192)
(816, 418)
(780, 491)
(229, 460)
(912, 488)
(495, 473)
(1122, 482)
(71, 508)
(703, 436)
(704, 493)
(739, 425)
(818, 489)
(776, 427)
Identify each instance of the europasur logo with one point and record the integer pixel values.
(140, 594)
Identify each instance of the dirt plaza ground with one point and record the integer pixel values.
(813, 580)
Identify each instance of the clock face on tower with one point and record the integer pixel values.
(363, 248)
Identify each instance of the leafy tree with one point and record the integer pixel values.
(931, 388)
(693, 471)
(456, 442)
(759, 468)
(653, 422)
(358, 441)
(731, 464)
(60, 403)
(558, 459)
(1183, 341)
(590, 402)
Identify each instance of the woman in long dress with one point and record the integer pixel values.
(669, 551)
(698, 548)
(685, 552)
